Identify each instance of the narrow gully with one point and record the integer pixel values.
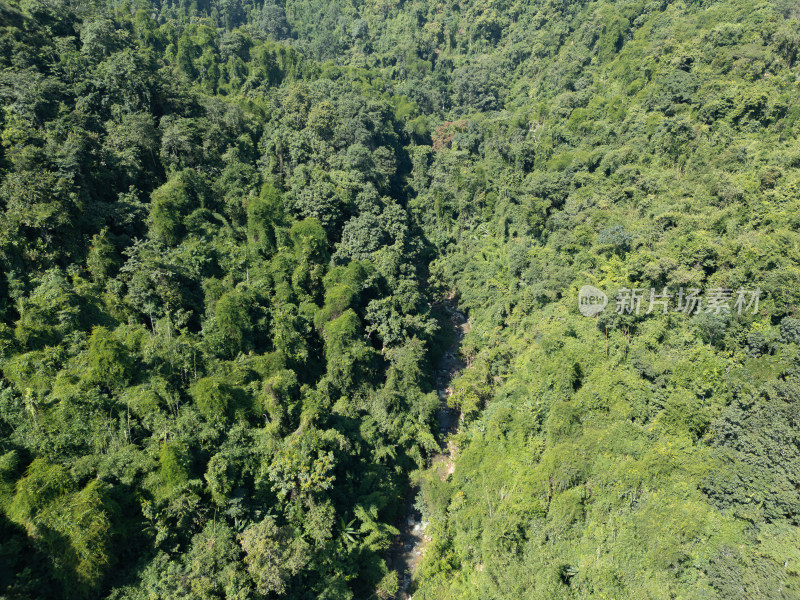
(409, 546)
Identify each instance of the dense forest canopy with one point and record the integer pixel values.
(226, 229)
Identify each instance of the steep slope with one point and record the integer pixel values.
(224, 229)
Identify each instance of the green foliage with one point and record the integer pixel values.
(343, 286)
(43, 483)
(219, 401)
(264, 215)
(103, 260)
(73, 525)
(233, 323)
(272, 555)
(9, 467)
(224, 231)
(48, 313)
(174, 464)
(109, 363)
(160, 309)
(170, 205)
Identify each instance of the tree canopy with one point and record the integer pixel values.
(226, 229)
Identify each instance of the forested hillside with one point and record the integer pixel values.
(225, 231)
